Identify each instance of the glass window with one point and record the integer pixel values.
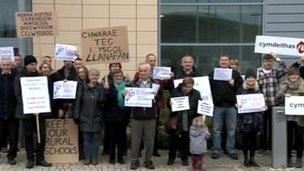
(209, 1)
(210, 24)
(206, 57)
(7, 18)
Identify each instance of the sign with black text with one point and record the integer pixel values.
(105, 45)
(294, 105)
(61, 145)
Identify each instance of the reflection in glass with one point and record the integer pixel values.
(210, 24)
(7, 18)
(206, 57)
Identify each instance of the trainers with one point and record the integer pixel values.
(94, 161)
(134, 165)
(254, 163)
(43, 163)
(170, 162)
(215, 156)
(185, 163)
(233, 156)
(12, 162)
(86, 161)
(149, 164)
(30, 164)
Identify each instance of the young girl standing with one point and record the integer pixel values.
(198, 144)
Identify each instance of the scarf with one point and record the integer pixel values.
(120, 87)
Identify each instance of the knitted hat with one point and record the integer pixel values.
(28, 59)
(250, 73)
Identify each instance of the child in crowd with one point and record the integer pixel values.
(198, 144)
(249, 123)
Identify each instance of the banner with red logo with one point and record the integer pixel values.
(279, 45)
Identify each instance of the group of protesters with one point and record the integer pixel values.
(99, 105)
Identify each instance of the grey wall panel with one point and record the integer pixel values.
(286, 9)
(281, 27)
(283, 18)
(282, 2)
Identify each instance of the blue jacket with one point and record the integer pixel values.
(7, 100)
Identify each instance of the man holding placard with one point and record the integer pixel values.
(268, 78)
(143, 120)
(187, 69)
(28, 120)
(7, 107)
(223, 93)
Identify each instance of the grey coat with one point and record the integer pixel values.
(88, 107)
(198, 140)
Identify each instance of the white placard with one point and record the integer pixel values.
(180, 103)
(155, 88)
(35, 95)
(222, 74)
(202, 85)
(138, 97)
(65, 52)
(162, 73)
(205, 108)
(279, 45)
(249, 103)
(7, 52)
(65, 90)
(294, 105)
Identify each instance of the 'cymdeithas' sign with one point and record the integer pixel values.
(294, 105)
(105, 45)
(36, 24)
(35, 95)
(61, 145)
(279, 45)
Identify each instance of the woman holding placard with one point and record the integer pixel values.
(249, 124)
(179, 134)
(88, 113)
(293, 86)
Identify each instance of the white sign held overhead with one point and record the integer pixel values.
(279, 45)
(249, 103)
(162, 73)
(294, 105)
(7, 52)
(180, 103)
(65, 52)
(139, 97)
(65, 90)
(35, 95)
(222, 74)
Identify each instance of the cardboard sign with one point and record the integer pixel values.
(61, 145)
(249, 103)
(205, 108)
(35, 95)
(36, 24)
(202, 85)
(65, 90)
(7, 52)
(162, 73)
(139, 97)
(294, 105)
(222, 74)
(279, 45)
(65, 52)
(179, 103)
(105, 45)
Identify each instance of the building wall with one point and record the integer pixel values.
(140, 16)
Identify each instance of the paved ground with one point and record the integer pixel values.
(222, 164)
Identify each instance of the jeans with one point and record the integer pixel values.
(229, 115)
(91, 144)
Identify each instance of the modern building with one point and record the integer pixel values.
(168, 28)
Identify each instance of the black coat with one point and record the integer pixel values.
(88, 107)
(194, 97)
(7, 94)
(114, 112)
(181, 73)
(222, 93)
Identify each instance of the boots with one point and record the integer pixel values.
(246, 159)
(253, 162)
(299, 163)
